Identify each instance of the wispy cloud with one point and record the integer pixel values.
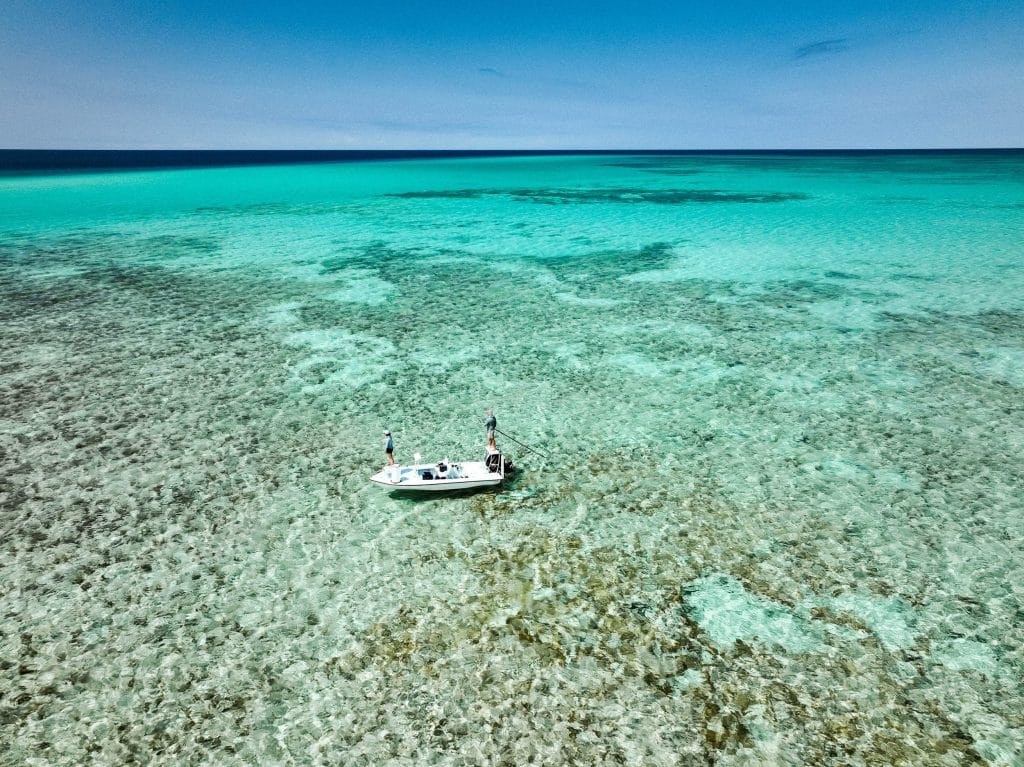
(821, 48)
(548, 82)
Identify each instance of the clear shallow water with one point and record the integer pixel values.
(780, 519)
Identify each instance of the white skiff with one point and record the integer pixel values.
(440, 476)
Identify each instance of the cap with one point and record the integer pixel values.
(387, 433)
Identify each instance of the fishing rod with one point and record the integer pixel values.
(498, 431)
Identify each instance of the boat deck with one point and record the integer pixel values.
(429, 477)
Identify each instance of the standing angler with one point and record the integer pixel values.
(491, 424)
(389, 448)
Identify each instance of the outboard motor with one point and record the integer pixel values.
(510, 467)
(493, 461)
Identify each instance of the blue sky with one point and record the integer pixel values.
(386, 75)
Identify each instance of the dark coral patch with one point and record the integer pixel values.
(374, 255)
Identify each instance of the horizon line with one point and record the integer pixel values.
(31, 161)
(537, 150)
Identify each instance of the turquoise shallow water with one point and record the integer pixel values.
(780, 519)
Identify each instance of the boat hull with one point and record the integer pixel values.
(423, 478)
(436, 486)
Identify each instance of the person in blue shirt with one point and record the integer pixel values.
(491, 424)
(389, 448)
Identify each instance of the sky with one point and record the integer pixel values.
(380, 74)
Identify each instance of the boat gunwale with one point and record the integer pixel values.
(486, 479)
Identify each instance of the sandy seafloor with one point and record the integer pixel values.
(780, 520)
